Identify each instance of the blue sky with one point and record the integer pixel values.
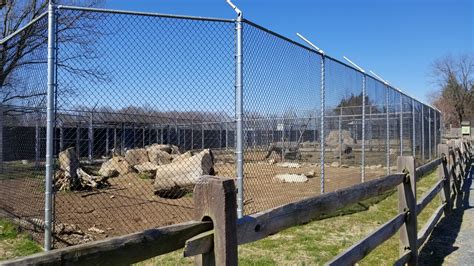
(396, 39)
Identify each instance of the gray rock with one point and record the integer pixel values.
(291, 178)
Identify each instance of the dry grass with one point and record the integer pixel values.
(317, 242)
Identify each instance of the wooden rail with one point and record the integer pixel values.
(214, 240)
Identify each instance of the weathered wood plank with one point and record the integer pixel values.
(426, 168)
(429, 195)
(443, 174)
(193, 247)
(429, 226)
(262, 224)
(123, 250)
(359, 250)
(407, 203)
(215, 199)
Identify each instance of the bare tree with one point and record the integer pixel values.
(23, 48)
(455, 78)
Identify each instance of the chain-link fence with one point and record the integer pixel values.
(145, 104)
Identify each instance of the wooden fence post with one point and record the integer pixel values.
(215, 199)
(443, 173)
(407, 203)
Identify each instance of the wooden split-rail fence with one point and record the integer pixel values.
(216, 232)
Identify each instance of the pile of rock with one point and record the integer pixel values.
(344, 148)
(71, 177)
(175, 173)
(143, 160)
(333, 138)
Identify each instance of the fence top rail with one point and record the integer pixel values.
(426, 168)
(260, 225)
(33, 21)
(139, 13)
(122, 250)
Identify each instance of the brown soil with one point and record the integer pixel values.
(129, 204)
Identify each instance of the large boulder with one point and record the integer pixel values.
(159, 157)
(162, 147)
(291, 178)
(68, 162)
(136, 156)
(115, 166)
(183, 173)
(182, 157)
(332, 138)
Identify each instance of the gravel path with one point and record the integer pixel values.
(452, 241)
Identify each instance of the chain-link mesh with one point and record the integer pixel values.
(281, 103)
(407, 125)
(145, 105)
(22, 125)
(418, 133)
(343, 124)
(376, 125)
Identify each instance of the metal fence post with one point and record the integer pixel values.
(423, 132)
(61, 136)
(115, 138)
(340, 135)
(239, 114)
(413, 143)
(364, 81)
(1, 137)
(202, 135)
(401, 125)
(323, 107)
(436, 133)
(91, 137)
(78, 140)
(239, 110)
(387, 147)
(37, 139)
(107, 140)
(50, 127)
(192, 135)
(429, 134)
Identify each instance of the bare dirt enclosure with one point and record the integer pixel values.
(130, 205)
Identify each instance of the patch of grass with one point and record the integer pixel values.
(145, 175)
(319, 241)
(16, 169)
(7, 230)
(15, 244)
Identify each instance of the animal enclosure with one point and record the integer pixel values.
(145, 104)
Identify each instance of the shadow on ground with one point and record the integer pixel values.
(443, 238)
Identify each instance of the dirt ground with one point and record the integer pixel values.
(129, 204)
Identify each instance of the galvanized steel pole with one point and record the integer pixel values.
(339, 141)
(239, 110)
(435, 139)
(50, 127)
(413, 128)
(323, 107)
(423, 132)
(387, 129)
(401, 125)
(364, 81)
(429, 134)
